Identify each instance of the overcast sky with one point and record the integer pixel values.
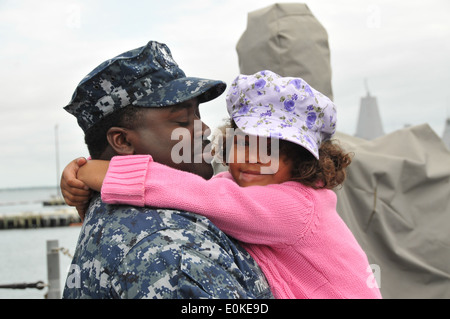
(46, 47)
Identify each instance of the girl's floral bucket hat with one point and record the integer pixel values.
(266, 104)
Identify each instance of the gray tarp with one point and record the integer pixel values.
(289, 40)
(396, 199)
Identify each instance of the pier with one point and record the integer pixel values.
(57, 218)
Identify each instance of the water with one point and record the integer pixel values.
(23, 252)
(19, 200)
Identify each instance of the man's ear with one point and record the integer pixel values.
(118, 140)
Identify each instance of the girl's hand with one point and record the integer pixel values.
(93, 173)
(75, 192)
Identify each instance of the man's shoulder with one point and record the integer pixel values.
(130, 221)
(167, 251)
(123, 228)
(110, 224)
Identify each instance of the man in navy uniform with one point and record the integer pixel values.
(130, 105)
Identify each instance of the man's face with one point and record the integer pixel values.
(154, 136)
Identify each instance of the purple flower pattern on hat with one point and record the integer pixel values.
(289, 105)
(266, 104)
(296, 83)
(311, 119)
(260, 84)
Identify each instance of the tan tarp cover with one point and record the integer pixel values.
(288, 40)
(396, 199)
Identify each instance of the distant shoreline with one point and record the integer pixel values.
(26, 188)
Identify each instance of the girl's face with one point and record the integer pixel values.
(251, 164)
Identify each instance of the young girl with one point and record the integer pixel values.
(282, 210)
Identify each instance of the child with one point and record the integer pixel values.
(285, 217)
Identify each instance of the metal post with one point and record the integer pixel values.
(54, 287)
(58, 176)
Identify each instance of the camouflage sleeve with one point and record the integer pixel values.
(128, 252)
(157, 267)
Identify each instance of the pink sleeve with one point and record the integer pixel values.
(272, 214)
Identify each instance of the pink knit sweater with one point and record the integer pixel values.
(293, 232)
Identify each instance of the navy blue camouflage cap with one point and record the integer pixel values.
(146, 77)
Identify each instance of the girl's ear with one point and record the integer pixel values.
(118, 140)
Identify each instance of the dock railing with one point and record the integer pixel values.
(57, 218)
(53, 273)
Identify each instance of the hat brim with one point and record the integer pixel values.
(182, 89)
(292, 134)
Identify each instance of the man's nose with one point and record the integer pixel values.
(201, 133)
(201, 130)
(205, 129)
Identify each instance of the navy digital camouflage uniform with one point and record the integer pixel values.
(132, 252)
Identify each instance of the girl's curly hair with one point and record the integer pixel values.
(328, 172)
